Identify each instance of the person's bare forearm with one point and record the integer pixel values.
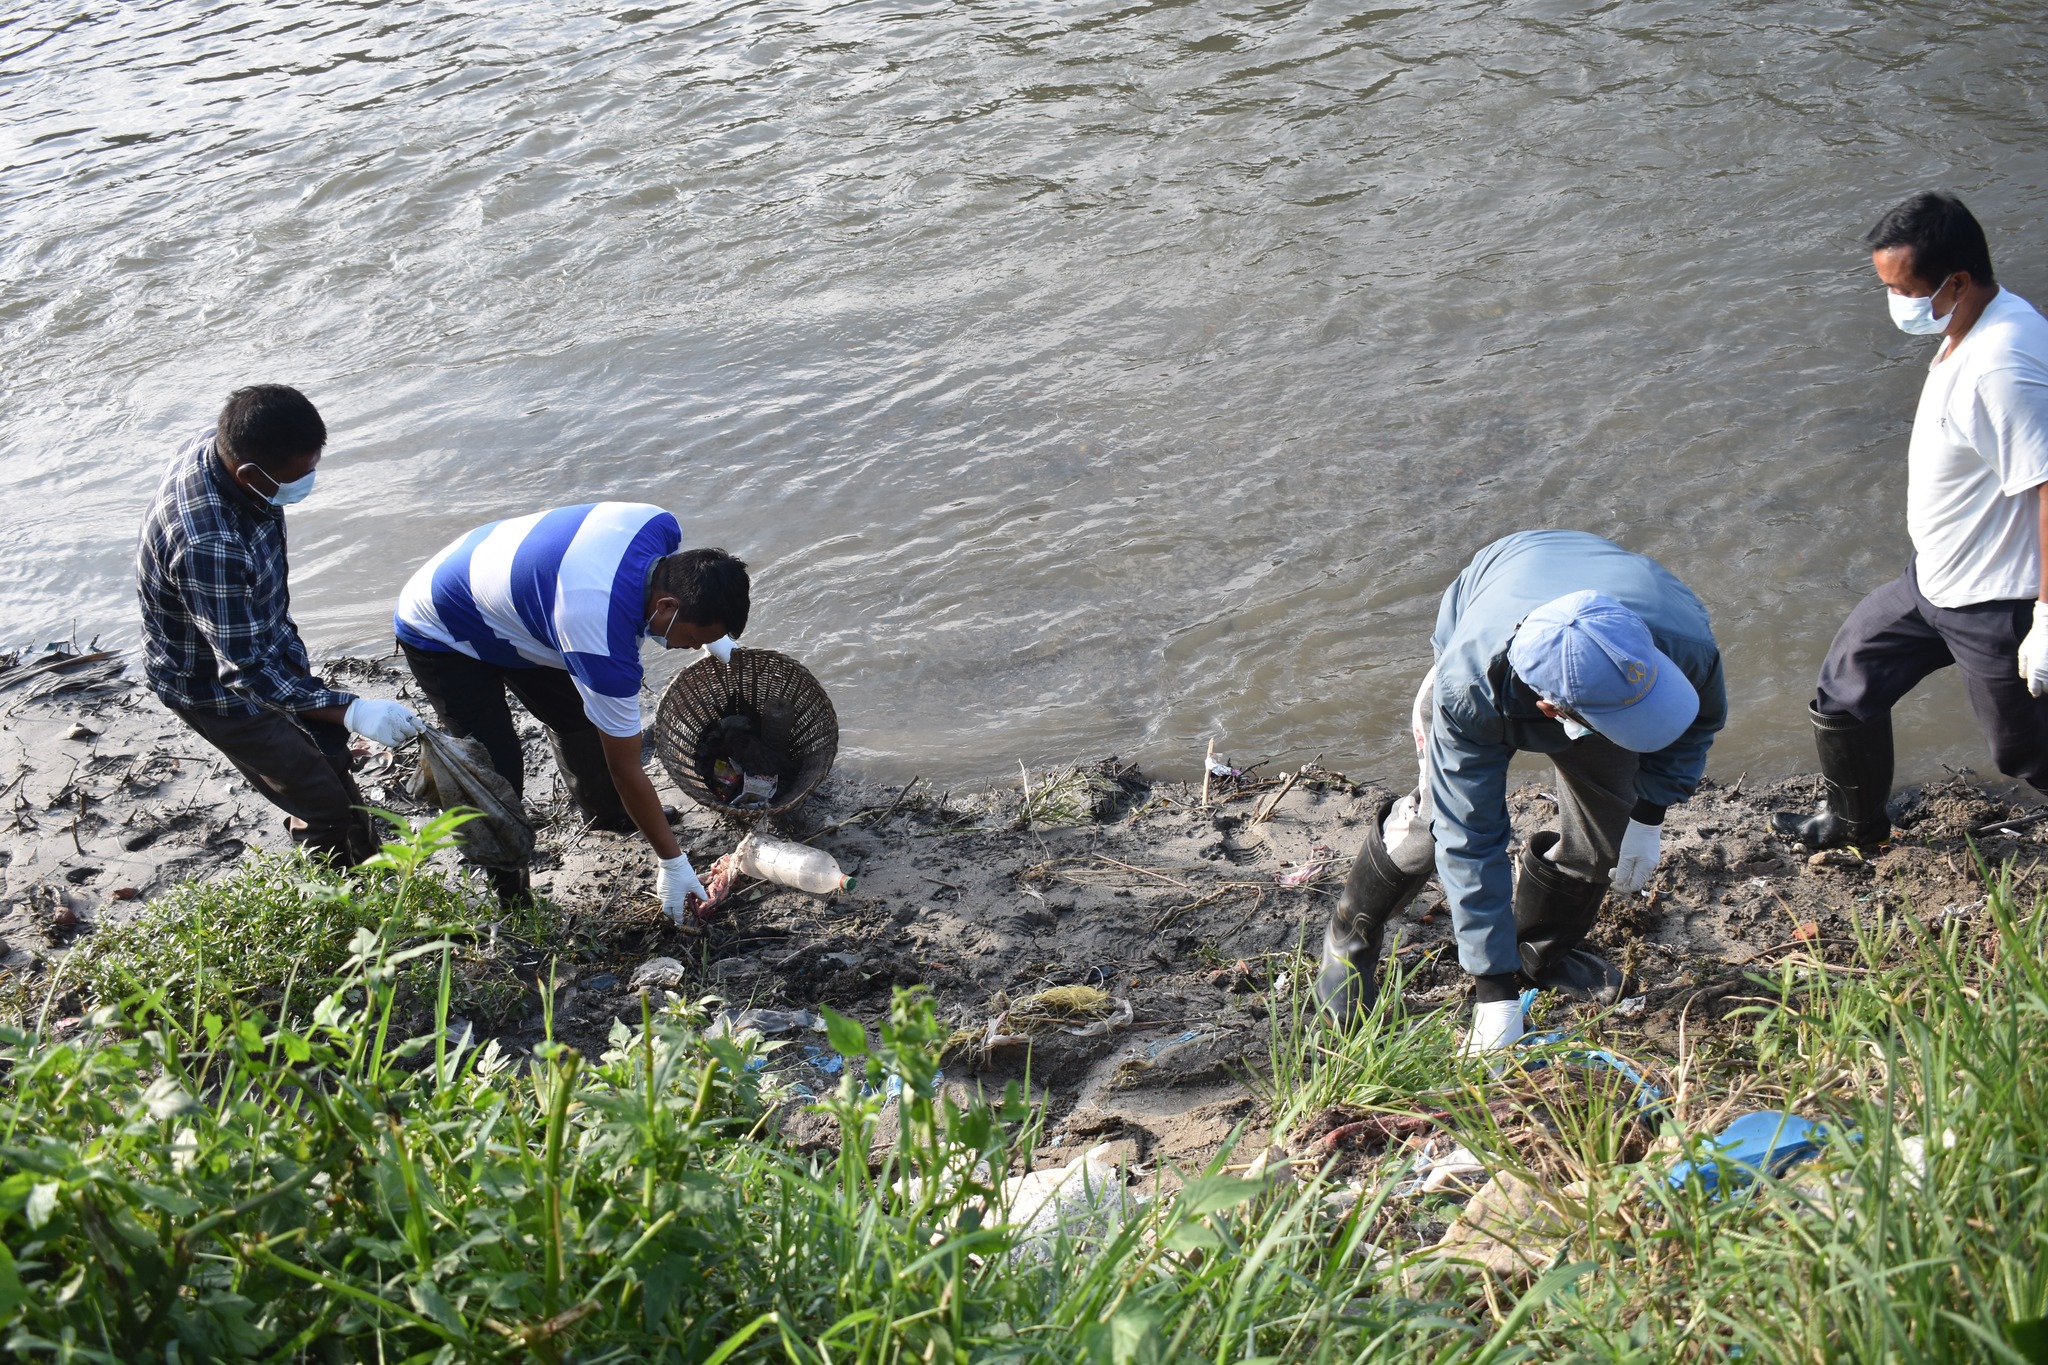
(637, 794)
(2041, 500)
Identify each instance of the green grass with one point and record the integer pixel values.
(305, 1182)
(280, 927)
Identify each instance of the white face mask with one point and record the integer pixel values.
(660, 637)
(1916, 316)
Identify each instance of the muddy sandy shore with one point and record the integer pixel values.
(1184, 917)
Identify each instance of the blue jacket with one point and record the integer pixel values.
(1484, 714)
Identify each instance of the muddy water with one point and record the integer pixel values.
(1083, 377)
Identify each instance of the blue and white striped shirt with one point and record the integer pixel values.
(562, 589)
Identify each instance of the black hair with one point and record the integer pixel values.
(269, 425)
(1942, 235)
(711, 587)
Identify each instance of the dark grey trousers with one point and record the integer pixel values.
(1896, 637)
(301, 766)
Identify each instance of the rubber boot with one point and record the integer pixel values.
(1348, 984)
(1553, 913)
(513, 885)
(1856, 775)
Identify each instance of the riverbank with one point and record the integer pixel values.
(1181, 924)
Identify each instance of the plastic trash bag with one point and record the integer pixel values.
(458, 772)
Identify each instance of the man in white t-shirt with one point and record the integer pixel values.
(1975, 593)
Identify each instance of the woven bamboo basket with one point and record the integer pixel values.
(763, 711)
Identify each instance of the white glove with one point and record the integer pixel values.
(720, 649)
(1641, 846)
(2034, 653)
(389, 723)
(1495, 1025)
(675, 883)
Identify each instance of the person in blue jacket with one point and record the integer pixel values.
(1550, 642)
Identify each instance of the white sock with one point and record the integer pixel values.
(1496, 1024)
(1406, 834)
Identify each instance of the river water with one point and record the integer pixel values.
(1080, 377)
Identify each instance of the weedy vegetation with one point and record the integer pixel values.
(256, 1158)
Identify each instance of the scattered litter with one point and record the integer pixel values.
(1086, 1195)
(1192, 1035)
(1218, 768)
(127, 893)
(660, 973)
(1320, 863)
(824, 1059)
(1444, 1163)
(1511, 1229)
(1452, 1168)
(718, 880)
(790, 864)
(1648, 1098)
(1236, 977)
(81, 731)
(1807, 932)
(892, 1085)
(766, 1022)
(603, 981)
(1631, 1007)
(1764, 1143)
(1082, 1011)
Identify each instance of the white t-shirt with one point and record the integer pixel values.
(1979, 451)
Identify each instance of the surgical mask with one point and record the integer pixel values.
(1916, 316)
(660, 637)
(289, 493)
(1574, 729)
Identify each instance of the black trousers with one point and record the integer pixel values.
(301, 766)
(468, 697)
(1896, 637)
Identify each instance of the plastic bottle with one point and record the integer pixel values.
(787, 864)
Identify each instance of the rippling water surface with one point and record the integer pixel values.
(1079, 377)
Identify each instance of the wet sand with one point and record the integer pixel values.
(1186, 918)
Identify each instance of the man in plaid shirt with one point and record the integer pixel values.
(220, 647)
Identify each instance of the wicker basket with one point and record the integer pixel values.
(763, 710)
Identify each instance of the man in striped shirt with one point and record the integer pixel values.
(552, 607)
(219, 644)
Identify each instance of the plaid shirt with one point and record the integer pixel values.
(216, 600)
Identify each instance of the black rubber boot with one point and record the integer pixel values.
(513, 885)
(1553, 913)
(1856, 774)
(1374, 892)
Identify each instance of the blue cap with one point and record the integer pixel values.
(1588, 653)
